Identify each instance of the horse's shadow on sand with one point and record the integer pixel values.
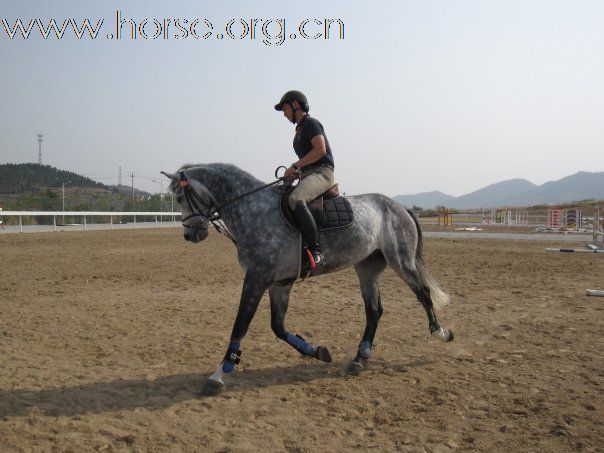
(161, 393)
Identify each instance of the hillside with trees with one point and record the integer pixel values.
(34, 187)
(31, 178)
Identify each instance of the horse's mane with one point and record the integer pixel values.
(227, 170)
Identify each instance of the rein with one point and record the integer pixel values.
(213, 216)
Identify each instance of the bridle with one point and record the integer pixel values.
(197, 205)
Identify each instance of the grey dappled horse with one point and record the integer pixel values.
(383, 234)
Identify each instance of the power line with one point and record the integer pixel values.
(149, 174)
(147, 177)
(104, 174)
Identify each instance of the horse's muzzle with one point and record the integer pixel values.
(195, 234)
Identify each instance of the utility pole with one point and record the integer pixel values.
(596, 222)
(161, 198)
(119, 183)
(63, 190)
(172, 207)
(40, 148)
(132, 176)
(161, 194)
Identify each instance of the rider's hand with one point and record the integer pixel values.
(291, 173)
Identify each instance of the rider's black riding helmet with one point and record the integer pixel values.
(292, 96)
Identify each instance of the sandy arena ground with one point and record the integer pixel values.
(106, 339)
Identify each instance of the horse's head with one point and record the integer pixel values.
(195, 203)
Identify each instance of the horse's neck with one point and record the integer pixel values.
(225, 188)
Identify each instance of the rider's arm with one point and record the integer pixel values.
(317, 152)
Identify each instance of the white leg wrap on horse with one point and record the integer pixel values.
(217, 376)
(441, 334)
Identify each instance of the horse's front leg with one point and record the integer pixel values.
(279, 296)
(254, 286)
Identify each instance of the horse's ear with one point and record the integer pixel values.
(172, 176)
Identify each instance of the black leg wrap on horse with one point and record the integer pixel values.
(233, 356)
(300, 344)
(306, 349)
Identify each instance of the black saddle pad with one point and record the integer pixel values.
(329, 213)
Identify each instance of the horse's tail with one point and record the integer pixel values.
(438, 296)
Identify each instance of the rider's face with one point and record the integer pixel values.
(288, 112)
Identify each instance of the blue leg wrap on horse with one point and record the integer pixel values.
(365, 349)
(232, 358)
(299, 343)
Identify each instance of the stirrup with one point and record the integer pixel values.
(316, 259)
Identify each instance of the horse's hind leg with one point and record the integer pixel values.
(279, 296)
(415, 274)
(369, 272)
(422, 292)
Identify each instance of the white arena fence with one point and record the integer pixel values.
(107, 217)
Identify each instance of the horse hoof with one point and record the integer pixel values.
(323, 354)
(443, 335)
(212, 388)
(354, 367)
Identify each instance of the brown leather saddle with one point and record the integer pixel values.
(330, 210)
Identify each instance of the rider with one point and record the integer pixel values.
(314, 166)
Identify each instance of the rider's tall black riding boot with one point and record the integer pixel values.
(310, 232)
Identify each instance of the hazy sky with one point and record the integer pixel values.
(419, 95)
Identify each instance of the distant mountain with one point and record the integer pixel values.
(425, 199)
(516, 192)
(498, 194)
(27, 178)
(580, 186)
(30, 178)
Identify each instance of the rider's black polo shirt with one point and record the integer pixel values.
(308, 129)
